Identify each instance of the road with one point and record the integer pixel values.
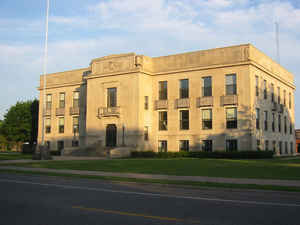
(42, 200)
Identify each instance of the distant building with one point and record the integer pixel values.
(297, 133)
(224, 99)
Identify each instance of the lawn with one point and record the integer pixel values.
(14, 156)
(266, 169)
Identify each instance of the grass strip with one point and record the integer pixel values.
(157, 181)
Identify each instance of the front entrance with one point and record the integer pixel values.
(111, 135)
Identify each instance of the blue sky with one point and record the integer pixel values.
(82, 30)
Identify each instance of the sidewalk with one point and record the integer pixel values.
(290, 183)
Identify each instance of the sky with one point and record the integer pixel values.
(82, 30)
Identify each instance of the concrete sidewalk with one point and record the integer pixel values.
(290, 183)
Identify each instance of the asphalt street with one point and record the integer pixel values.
(43, 200)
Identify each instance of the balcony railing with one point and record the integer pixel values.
(74, 111)
(47, 112)
(60, 112)
(182, 103)
(229, 100)
(108, 111)
(205, 101)
(161, 104)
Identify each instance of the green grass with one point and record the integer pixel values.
(286, 169)
(14, 156)
(156, 181)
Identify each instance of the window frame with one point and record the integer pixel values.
(207, 124)
(184, 122)
(163, 120)
(231, 123)
(206, 90)
(228, 86)
(183, 91)
(163, 90)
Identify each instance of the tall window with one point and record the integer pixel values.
(163, 120)
(62, 100)
(231, 84)
(76, 124)
(278, 95)
(256, 86)
(291, 128)
(258, 145)
(280, 147)
(162, 146)
(184, 119)
(146, 133)
(61, 125)
(279, 123)
(266, 120)
(267, 145)
(257, 118)
(285, 125)
(111, 97)
(231, 118)
(286, 147)
(274, 146)
(273, 122)
(48, 125)
(265, 89)
(272, 92)
(292, 147)
(206, 86)
(284, 97)
(207, 145)
(184, 88)
(290, 101)
(206, 119)
(231, 145)
(146, 106)
(163, 90)
(184, 145)
(76, 99)
(48, 101)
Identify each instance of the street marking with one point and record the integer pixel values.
(152, 194)
(135, 214)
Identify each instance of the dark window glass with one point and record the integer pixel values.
(231, 145)
(273, 122)
(111, 97)
(61, 125)
(75, 99)
(266, 120)
(292, 147)
(257, 118)
(60, 145)
(280, 147)
(184, 119)
(48, 125)
(184, 145)
(286, 147)
(163, 90)
(75, 125)
(146, 133)
(231, 84)
(278, 95)
(258, 145)
(146, 106)
(272, 92)
(279, 123)
(163, 120)
(231, 118)
(207, 146)
(284, 97)
(256, 86)
(184, 88)
(75, 143)
(274, 146)
(290, 100)
(267, 145)
(48, 145)
(206, 119)
(265, 89)
(162, 146)
(285, 125)
(206, 86)
(291, 128)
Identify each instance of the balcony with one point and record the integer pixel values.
(205, 101)
(274, 106)
(74, 111)
(108, 111)
(161, 104)
(182, 103)
(229, 100)
(60, 112)
(47, 112)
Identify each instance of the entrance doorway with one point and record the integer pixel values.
(111, 135)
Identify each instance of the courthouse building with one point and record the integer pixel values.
(225, 99)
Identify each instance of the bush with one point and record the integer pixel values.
(55, 152)
(200, 154)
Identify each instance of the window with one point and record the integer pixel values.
(48, 101)
(184, 88)
(278, 95)
(267, 145)
(298, 148)
(146, 133)
(231, 118)
(291, 128)
(265, 89)
(266, 120)
(48, 125)
(256, 86)
(231, 84)
(111, 97)
(146, 104)
(163, 120)
(231, 145)
(292, 147)
(206, 119)
(62, 100)
(76, 124)
(257, 118)
(76, 99)
(258, 145)
(206, 86)
(274, 146)
(75, 143)
(284, 97)
(60, 145)
(207, 145)
(163, 90)
(273, 122)
(286, 147)
(279, 123)
(184, 145)
(272, 92)
(61, 125)
(48, 145)
(162, 146)
(290, 101)
(280, 147)
(184, 119)
(285, 125)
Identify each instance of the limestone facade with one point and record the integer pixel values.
(232, 98)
